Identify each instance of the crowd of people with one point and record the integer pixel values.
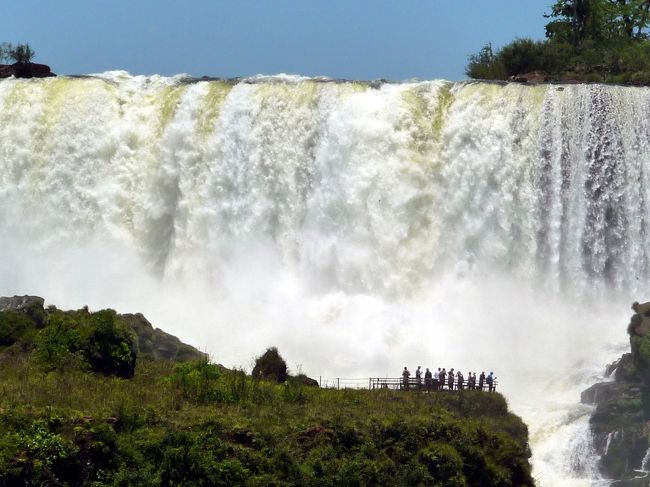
(441, 379)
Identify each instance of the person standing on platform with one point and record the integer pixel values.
(436, 379)
(428, 382)
(481, 380)
(418, 377)
(450, 379)
(405, 378)
(490, 381)
(443, 378)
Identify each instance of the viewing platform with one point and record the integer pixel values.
(397, 384)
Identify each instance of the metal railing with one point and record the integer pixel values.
(398, 383)
(424, 385)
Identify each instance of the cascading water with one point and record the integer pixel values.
(359, 227)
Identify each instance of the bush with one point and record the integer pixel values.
(99, 341)
(443, 463)
(196, 381)
(14, 326)
(522, 56)
(485, 65)
(270, 366)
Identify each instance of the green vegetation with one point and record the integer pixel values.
(586, 40)
(198, 424)
(22, 53)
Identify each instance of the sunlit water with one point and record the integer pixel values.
(358, 227)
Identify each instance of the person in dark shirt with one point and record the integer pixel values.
(481, 380)
(450, 379)
(428, 380)
(405, 378)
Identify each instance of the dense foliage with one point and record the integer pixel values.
(587, 40)
(60, 340)
(199, 424)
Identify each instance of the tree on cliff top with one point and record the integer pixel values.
(22, 53)
(5, 48)
(589, 40)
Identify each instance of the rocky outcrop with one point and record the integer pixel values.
(621, 422)
(151, 342)
(25, 70)
(155, 343)
(20, 303)
(531, 77)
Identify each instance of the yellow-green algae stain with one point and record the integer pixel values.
(170, 97)
(211, 108)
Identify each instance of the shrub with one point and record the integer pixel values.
(485, 65)
(522, 56)
(443, 463)
(14, 326)
(197, 381)
(110, 346)
(99, 341)
(270, 366)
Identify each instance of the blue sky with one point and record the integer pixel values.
(350, 39)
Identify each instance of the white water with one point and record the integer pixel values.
(358, 228)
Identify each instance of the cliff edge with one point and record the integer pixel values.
(621, 422)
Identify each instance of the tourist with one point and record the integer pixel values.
(418, 377)
(450, 379)
(436, 379)
(481, 379)
(405, 378)
(490, 381)
(460, 380)
(428, 380)
(443, 378)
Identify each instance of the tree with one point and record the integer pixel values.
(577, 21)
(485, 65)
(5, 49)
(22, 53)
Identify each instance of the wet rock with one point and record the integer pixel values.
(620, 424)
(25, 70)
(531, 77)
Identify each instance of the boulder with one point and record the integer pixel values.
(25, 70)
(306, 381)
(531, 77)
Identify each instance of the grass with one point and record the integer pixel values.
(197, 424)
(154, 430)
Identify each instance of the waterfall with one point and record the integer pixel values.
(358, 226)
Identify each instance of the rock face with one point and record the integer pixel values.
(621, 423)
(25, 70)
(531, 77)
(20, 303)
(155, 343)
(152, 342)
